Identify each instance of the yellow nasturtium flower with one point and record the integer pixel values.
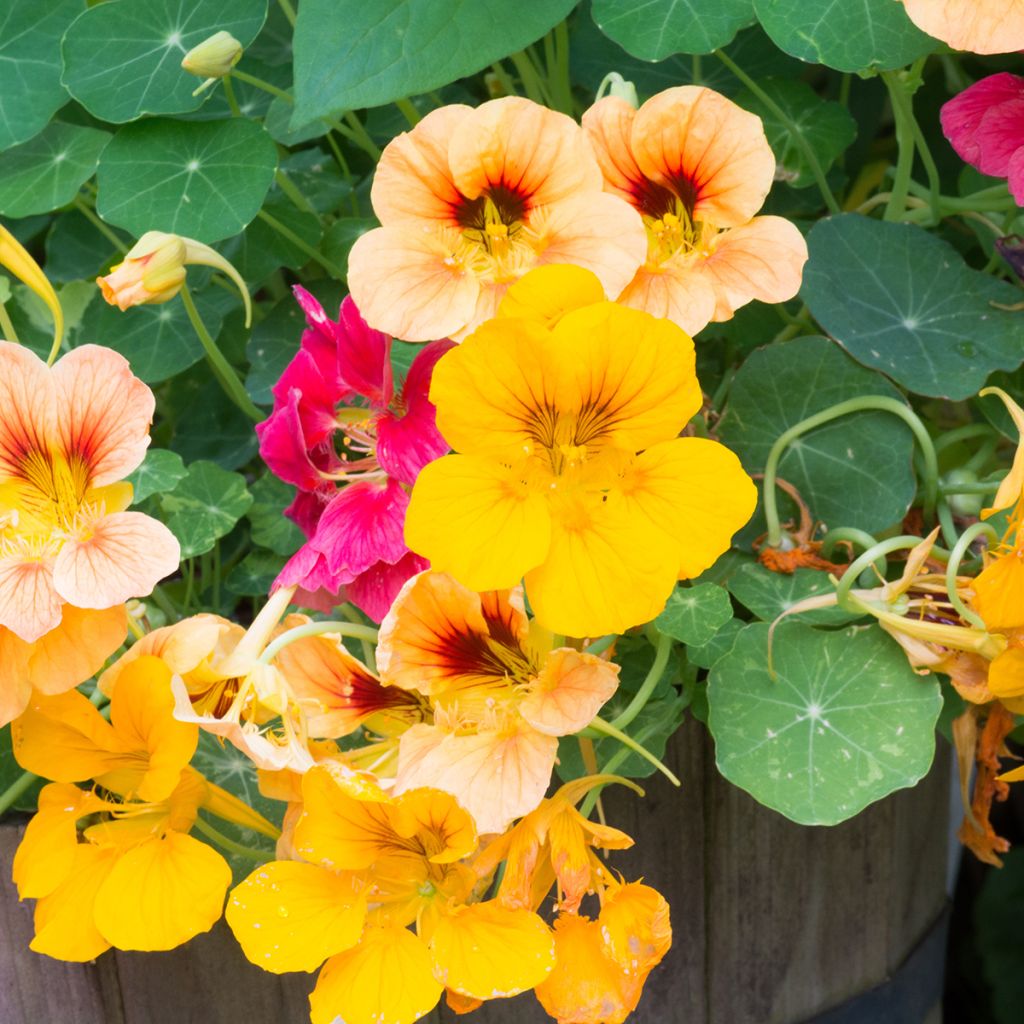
(565, 412)
(116, 866)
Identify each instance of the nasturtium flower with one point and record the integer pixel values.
(116, 866)
(374, 865)
(68, 435)
(697, 168)
(352, 444)
(500, 695)
(985, 125)
(565, 413)
(978, 26)
(472, 199)
(15, 258)
(153, 271)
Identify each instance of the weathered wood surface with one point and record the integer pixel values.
(773, 922)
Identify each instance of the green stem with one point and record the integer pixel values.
(896, 208)
(229, 95)
(901, 90)
(222, 369)
(599, 725)
(953, 569)
(293, 192)
(873, 402)
(22, 784)
(288, 10)
(411, 114)
(798, 138)
(361, 136)
(285, 232)
(259, 83)
(90, 215)
(532, 84)
(203, 826)
(163, 602)
(10, 334)
(980, 487)
(985, 451)
(504, 79)
(369, 654)
(661, 655)
(868, 558)
(945, 516)
(853, 536)
(601, 645)
(352, 629)
(964, 433)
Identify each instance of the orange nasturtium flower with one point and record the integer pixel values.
(135, 879)
(470, 200)
(698, 168)
(978, 26)
(565, 411)
(70, 555)
(501, 694)
(374, 865)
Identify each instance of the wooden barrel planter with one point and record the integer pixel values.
(774, 923)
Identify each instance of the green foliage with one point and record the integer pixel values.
(353, 54)
(854, 471)
(843, 721)
(768, 594)
(204, 506)
(693, 615)
(656, 29)
(902, 301)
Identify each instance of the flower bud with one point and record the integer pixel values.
(614, 84)
(213, 57)
(153, 271)
(16, 259)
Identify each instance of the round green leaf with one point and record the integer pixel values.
(271, 528)
(158, 341)
(76, 249)
(826, 126)
(205, 506)
(46, 172)
(349, 53)
(261, 249)
(30, 89)
(694, 614)
(844, 722)
(656, 29)
(204, 180)
(768, 594)
(902, 301)
(160, 472)
(848, 35)
(122, 58)
(853, 471)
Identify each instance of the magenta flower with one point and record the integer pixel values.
(352, 447)
(985, 125)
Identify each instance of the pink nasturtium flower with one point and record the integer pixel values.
(70, 555)
(985, 125)
(352, 445)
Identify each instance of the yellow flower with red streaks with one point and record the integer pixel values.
(134, 878)
(697, 168)
(500, 694)
(979, 26)
(565, 412)
(472, 199)
(374, 865)
(69, 552)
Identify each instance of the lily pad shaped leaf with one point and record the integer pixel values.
(844, 722)
(46, 172)
(848, 35)
(769, 594)
(852, 471)
(204, 506)
(656, 29)
(122, 58)
(694, 614)
(350, 53)
(30, 89)
(902, 301)
(205, 180)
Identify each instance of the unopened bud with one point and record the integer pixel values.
(613, 84)
(213, 57)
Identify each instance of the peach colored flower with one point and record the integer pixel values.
(697, 168)
(980, 26)
(470, 200)
(69, 552)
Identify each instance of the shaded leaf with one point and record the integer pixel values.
(768, 594)
(656, 29)
(694, 614)
(205, 506)
(159, 473)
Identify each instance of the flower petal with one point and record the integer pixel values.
(77, 648)
(28, 407)
(609, 128)
(289, 916)
(549, 292)
(695, 493)
(496, 775)
(995, 26)
(412, 284)
(635, 927)
(374, 590)
(569, 692)
(15, 682)
(697, 143)
(387, 977)
(161, 893)
(963, 115)
(488, 951)
(125, 555)
(478, 521)
(677, 290)
(29, 603)
(999, 592)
